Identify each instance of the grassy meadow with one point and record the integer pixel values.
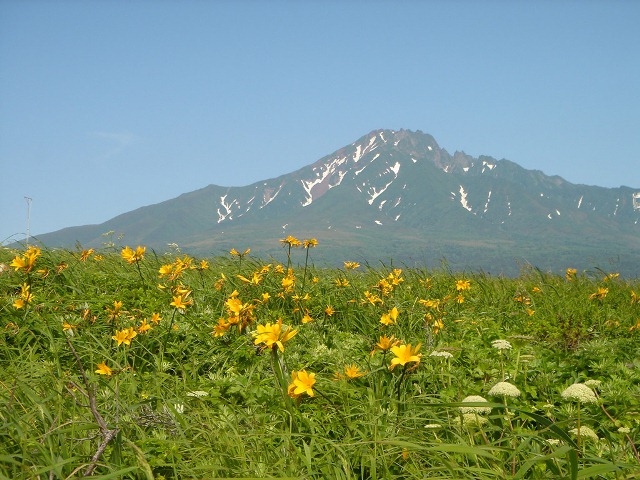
(128, 363)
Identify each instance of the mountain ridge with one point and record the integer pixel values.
(397, 194)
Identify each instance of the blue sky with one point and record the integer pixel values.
(109, 106)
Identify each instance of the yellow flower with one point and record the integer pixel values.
(103, 369)
(255, 280)
(600, 294)
(390, 317)
(291, 241)
(221, 328)
(301, 382)
(86, 254)
(341, 282)
(180, 301)
(351, 265)
(144, 326)
(27, 260)
(234, 253)
(124, 336)
(635, 298)
(25, 293)
(329, 311)
(155, 318)
(67, 326)
(463, 285)
(310, 243)
(405, 354)
(133, 256)
(522, 299)
(353, 371)
(19, 303)
(438, 325)
(274, 335)
(385, 344)
(116, 311)
(307, 318)
(570, 274)
(434, 304)
(371, 298)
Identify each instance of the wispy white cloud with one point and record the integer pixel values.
(118, 142)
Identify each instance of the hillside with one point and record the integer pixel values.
(397, 196)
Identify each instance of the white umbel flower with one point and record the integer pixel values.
(504, 389)
(438, 353)
(585, 432)
(473, 420)
(474, 409)
(501, 344)
(579, 392)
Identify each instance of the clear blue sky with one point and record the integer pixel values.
(107, 106)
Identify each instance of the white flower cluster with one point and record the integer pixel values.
(197, 393)
(433, 426)
(593, 383)
(585, 432)
(475, 409)
(438, 353)
(504, 389)
(579, 392)
(501, 344)
(473, 420)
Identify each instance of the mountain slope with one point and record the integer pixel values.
(398, 195)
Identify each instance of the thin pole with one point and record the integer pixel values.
(29, 200)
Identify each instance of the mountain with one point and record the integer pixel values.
(397, 196)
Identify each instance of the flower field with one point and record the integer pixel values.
(129, 363)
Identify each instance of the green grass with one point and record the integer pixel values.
(182, 402)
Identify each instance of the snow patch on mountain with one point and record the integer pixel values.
(463, 199)
(326, 171)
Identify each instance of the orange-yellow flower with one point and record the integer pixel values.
(25, 296)
(405, 354)
(353, 371)
(221, 328)
(116, 311)
(301, 382)
(390, 317)
(68, 326)
(180, 301)
(385, 344)
(351, 265)
(255, 280)
(600, 294)
(310, 243)
(144, 327)
(570, 274)
(125, 336)
(274, 335)
(103, 369)
(27, 260)
(291, 241)
(463, 285)
(133, 256)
